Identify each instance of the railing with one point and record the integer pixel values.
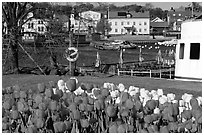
(150, 72)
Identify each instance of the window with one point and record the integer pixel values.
(122, 23)
(181, 51)
(32, 25)
(145, 30)
(116, 30)
(39, 22)
(128, 23)
(121, 30)
(23, 29)
(121, 13)
(133, 23)
(140, 30)
(195, 51)
(140, 23)
(76, 23)
(115, 23)
(145, 23)
(42, 28)
(29, 25)
(38, 28)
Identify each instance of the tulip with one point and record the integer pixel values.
(54, 90)
(174, 101)
(170, 97)
(132, 93)
(147, 98)
(156, 111)
(132, 88)
(117, 101)
(121, 87)
(181, 102)
(153, 92)
(199, 100)
(155, 97)
(143, 93)
(181, 109)
(162, 99)
(61, 85)
(187, 97)
(160, 92)
(75, 79)
(125, 90)
(105, 85)
(109, 86)
(79, 91)
(114, 94)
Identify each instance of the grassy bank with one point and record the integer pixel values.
(177, 87)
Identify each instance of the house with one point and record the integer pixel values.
(125, 22)
(176, 16)
(189, 51)
(158, 26)
(33, 27)
(86, 22)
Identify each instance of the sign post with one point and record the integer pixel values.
(70, 45)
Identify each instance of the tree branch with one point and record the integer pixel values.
(22, 23)
(22, 9)
(5, 15)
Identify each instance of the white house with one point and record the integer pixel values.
(33, 26)
(189, 55)
(123, 22)
(87, 18)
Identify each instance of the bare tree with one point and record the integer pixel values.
(15, 15)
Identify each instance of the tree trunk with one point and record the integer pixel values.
(14, 52)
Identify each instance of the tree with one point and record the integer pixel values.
(83, 7)
(149, 6)
(55, 26)
(103, 26)
(196, 6)
(15, 15)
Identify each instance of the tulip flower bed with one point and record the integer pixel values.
(70, 107)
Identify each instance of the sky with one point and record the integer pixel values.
(163, 4)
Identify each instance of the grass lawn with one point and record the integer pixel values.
(87, 55)
(174, 86)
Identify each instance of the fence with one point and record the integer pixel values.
(150, 72)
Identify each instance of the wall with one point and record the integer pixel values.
(186, 67)
(121, 30)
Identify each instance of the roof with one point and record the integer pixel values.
(124, 14)
(199, 17)
(183, 13)
(157, 19)
(89, 11)
(159, 24)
